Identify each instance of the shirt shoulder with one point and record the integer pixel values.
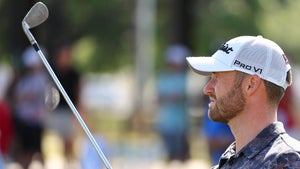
(292, 142)
(286, 143)
(290, 159)
(284, 154)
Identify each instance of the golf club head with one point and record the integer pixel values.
(36, 15)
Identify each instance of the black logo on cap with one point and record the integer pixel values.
(285, 59)
(224, 47)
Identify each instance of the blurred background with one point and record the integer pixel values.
(114, 59)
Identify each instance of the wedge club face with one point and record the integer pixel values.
(36, 15)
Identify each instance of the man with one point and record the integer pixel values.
(249, 76)
(172, 114)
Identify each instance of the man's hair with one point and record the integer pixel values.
(239, 77)
(274, 92)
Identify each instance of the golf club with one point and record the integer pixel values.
(35, 16)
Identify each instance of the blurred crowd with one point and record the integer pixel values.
(30, 106)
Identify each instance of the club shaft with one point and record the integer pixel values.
(65, 95)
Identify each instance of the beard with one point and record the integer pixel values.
(228, 106)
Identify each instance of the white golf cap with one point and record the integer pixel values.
(249, 54)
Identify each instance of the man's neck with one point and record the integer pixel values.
(246, 129)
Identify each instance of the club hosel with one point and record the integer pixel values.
(28, 33)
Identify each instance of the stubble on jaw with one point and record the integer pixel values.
(229, 105)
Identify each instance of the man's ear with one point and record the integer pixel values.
(252, 83)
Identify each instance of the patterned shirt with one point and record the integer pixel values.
(272, 148)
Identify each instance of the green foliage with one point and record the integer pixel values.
(104, 30)
(221, 20)
(280, 20)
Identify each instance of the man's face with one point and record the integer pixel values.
(226, 96)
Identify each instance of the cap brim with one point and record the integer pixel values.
(206, 65)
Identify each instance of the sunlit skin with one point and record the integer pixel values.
(226, 97)
(243, 105)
